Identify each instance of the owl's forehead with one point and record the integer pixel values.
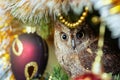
(82, 26)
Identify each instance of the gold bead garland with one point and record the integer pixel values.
(74, 24)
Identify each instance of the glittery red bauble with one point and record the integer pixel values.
(88, 76)
(29, 55)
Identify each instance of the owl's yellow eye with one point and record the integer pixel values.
(64, 36)
(80, 34)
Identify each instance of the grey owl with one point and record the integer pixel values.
(76, 49)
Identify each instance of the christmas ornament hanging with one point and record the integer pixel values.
(29, 55)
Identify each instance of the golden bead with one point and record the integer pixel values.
(59, 14)
(74, 25)
(84, 14)
(70, 25)
(95, 20)
(60, 17)
(79, 21)
(86, 9)
(66, 22)
(82, 18)
(63, 20)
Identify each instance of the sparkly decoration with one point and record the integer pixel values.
(35, 69)
(75, 24)
(31, 61)
(19, 50)
(95, 20)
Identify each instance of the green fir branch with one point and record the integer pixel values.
(116, 77)
(57, 74)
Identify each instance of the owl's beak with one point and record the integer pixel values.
(73, 44)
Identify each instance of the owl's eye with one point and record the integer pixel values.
(80, 34)
(64, 36)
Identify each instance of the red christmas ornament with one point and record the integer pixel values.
(88, 76)
(29, 55)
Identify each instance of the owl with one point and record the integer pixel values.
(76, 49)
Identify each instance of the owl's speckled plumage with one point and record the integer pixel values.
(76, 50)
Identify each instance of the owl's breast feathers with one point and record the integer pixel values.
(110, 60)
